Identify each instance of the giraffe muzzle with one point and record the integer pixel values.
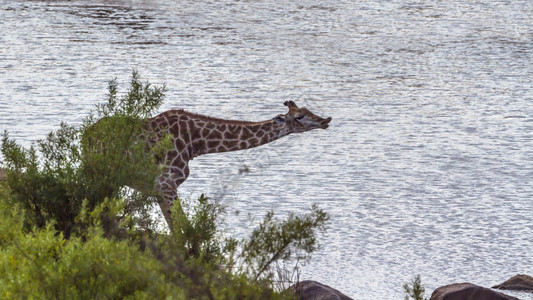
(325, 123)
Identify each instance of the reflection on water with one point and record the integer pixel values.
(427, 165)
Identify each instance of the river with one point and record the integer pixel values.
(426, 168)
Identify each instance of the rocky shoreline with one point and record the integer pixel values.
(309, 290)
(459, 291)
(520, 282)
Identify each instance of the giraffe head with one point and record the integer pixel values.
(300, 119)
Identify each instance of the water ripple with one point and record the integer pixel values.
(425, 169)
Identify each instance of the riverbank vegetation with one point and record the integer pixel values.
(70, 230)
(414, 290)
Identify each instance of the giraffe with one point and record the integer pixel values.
(194, 135)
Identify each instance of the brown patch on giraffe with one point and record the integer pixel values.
(185, 155)
(182, 128)
(172, 118)
(230, 136)
(200, 145)
(205, 132)
(180, 144)
(171, 154)
(164, 185)
(158, 122)
(191, 124)
(245, 133)
(214, 135)
(196, 134)
(243, 145)
(213, 144)
(267, 127)
(231, 144)
(253, 141)
(265, 139)
(174, 127)
(175, 170)
(179, 163)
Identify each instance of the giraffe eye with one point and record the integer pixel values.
(299, 117)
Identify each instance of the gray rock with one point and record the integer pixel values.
(519, 282)
(312, 290)
(467, 291)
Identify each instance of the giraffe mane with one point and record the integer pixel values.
(218, 120)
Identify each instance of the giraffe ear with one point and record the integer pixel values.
(280, 119)
(290, 104)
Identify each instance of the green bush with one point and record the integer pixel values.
(274, 240)
(69, 229)
(89, 164)
(195, 234)
(41, 264)
(415, 289)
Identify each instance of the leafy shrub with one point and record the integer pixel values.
(196, 235)
(274, 240)
(41, 264)
(109, 157)
(415, 289)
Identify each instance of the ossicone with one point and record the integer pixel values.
(290, 104)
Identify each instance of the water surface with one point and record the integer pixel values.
(427, 167)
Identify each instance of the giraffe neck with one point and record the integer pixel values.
(223, 136)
